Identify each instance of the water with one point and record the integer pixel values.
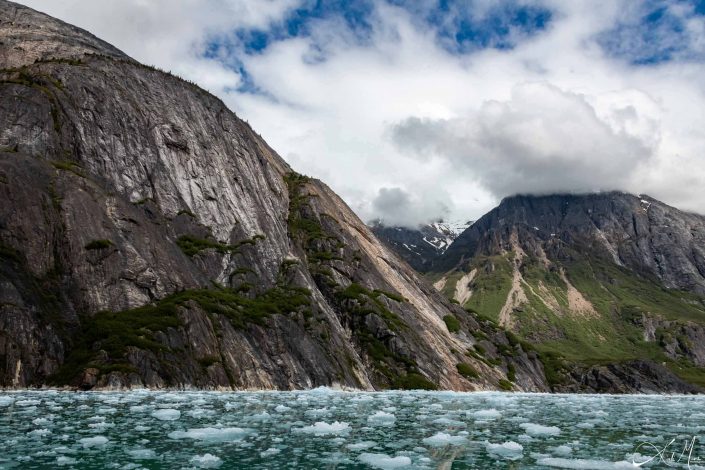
(329, 429)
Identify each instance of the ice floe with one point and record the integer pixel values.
(509, 450)
(206, 461)
(384, 461)
(381, 418)
(323, 428)
(96, 441)
(211, 434)
(534, 430)
(441, 439)
(167, 414)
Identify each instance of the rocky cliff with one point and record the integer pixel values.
(608, 287)
(149, 237)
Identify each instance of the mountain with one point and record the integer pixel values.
(419, 247)
(150, 238)
(606, 286)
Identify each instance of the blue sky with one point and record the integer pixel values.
(446, 105)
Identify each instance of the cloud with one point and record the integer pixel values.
(397, 207)
(459, 106)
(542, 140)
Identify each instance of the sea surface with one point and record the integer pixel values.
(323, 429)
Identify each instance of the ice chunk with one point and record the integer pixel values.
(441, 439)
(322, 428)
(96, 441)
(28, 402)
(382, 418)
(509, 450)
(142, 454)
(384, 461)
(281, 408)
(492, 413)
(6, 401)
(264, 416)
(361, 445)
(211, 434)
(39, 432)
(206, 461)
(167, 414)
(561, 450)
(584, 464)
(64, 460)
(539, 430)
(269, 452)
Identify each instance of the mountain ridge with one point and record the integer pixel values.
(588, 279)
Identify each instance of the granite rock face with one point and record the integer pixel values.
(149, 237)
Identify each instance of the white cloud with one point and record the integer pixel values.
(541, 140)
(554, 113)
(397, 207)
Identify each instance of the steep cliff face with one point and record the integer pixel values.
(148, 237)
(609, 287)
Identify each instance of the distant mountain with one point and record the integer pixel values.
(419, 247)
(609, 285)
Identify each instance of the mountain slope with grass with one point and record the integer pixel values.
(608, 287)
(149, 237)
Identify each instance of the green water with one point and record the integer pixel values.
(330, 429)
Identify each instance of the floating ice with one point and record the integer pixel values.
(167, 414)
(206, 461)
(29, 402)
(322, 428)
(445, 421)
(539, 430)
(443, 439)
(509, 450)
(64, 460)
(39, 432)
(561, 450)
(6, 401)
(142, 454)
(361, 445)
(384, 461)
(269, 452)
(382, 418)
(211, 434)
(281, 408)
(492, 413)
(260, 417)
(584, 464)
(97, 441)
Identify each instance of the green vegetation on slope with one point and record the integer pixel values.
(564, 338)
(114, 332)
(491, 285)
